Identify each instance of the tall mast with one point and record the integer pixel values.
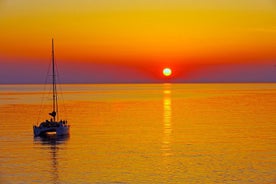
(54, 82)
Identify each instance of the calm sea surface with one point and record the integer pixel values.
(141, 133)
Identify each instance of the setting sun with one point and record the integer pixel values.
(167, 72)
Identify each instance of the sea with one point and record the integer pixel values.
(141, 133)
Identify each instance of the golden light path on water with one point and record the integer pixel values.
(167, 115)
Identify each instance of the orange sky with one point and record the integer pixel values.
(145, 34)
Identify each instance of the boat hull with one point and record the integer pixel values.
(62, 130)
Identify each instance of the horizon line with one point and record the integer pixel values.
(199, 82)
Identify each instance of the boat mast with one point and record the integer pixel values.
(54, 83)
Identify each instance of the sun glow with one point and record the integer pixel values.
(167, 72)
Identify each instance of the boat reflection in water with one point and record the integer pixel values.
(54, 144)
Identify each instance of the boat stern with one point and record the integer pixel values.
(63, 130)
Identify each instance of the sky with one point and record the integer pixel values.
(110, 41)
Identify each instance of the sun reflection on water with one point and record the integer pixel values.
(167, 126)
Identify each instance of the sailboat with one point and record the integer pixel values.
(60, 127)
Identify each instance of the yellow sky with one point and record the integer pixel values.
(175, 31)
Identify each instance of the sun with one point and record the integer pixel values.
(167, 72)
